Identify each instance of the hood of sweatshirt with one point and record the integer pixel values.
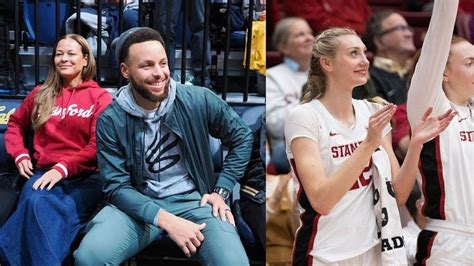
(88, 84)
(67, 93)
(127, 102)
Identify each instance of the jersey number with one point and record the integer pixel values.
(364, 178)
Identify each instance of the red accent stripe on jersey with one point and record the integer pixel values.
(431, 170)
(428, 249)
(300, 189)
(293, 250)
(311, 240)
(423, 188)
(425, 244)
(304, 228)
(440, 179)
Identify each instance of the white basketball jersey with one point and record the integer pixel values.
(446, 168)
(447, 162)
(349, 229)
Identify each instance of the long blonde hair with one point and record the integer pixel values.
(46, 96)
(326, 44)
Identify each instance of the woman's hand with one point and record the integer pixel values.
(430, 127)
(51, 177)
(377, 122)
(25, 168)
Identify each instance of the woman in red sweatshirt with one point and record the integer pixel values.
(62, 191)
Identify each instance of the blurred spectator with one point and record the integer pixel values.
(323, 14)
(195, 21)
(259, 9)
(130, 14)
(89, 24)
(282, 219)
(400, 126)
(294, 39)
(390, 38)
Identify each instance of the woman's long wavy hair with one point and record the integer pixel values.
(325, 45)
(52, 87)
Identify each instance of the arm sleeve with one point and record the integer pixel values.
(301, 123)
(85, 160)
(225, 124)
(116, 178)
(426, 85)
(17, 124)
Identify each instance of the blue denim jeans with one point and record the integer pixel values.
(45, 223)
(112, 236)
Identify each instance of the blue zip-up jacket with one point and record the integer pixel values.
(195, 114)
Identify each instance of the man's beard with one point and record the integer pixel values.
(147, 95)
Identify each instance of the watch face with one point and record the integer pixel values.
(223, 192)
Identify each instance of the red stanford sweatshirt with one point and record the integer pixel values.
(66, 142)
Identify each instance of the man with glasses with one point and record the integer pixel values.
(390, 38)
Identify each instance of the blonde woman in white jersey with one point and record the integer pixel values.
(331, 139)
(444, 79)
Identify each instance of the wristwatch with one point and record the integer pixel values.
(224, 193)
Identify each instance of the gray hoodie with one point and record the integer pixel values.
(164, 170)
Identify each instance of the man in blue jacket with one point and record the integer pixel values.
(154, 157)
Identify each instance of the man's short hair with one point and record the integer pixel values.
(374, 28)
(132, 36)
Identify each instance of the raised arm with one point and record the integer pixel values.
(426, 85)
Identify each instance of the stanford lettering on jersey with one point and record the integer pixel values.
(72, 110)
(467, 136)
(344, 150)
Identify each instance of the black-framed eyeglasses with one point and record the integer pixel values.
(396, 28)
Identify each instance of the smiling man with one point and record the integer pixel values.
(154, 157)
(391, 39)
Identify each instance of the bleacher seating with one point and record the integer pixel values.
(47, 27)
(165, 251)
